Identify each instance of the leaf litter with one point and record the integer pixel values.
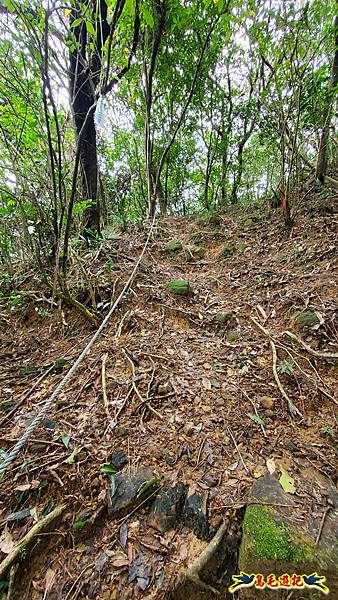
(202, 427)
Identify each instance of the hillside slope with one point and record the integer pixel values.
(190, 393)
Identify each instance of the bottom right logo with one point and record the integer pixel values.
(292, 582)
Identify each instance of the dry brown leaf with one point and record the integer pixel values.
(6, 541)
(49, 580)
(270, 464)
(206, 383)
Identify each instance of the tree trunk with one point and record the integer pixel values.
(238, 176)
(89, 173)
(331, 94)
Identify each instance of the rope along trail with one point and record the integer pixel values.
(19, 445)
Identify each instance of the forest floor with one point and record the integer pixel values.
(208, 411)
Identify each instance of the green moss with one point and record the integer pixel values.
(197, 251)
(232, 335)
(180, 286)
(173, 246)
(228, 250)
(305, 318)
(271, 540)
(247, 224)
(222, 317)
(79, 524)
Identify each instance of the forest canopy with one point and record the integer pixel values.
(111, 111)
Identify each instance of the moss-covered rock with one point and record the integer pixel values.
(179, 287)
(232, 335)
(276, 540)
(247, 224)
(272, 540)
(197, 251)
(223, 317)
(173, 246)
(305, 318)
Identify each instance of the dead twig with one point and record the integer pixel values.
(238, 450)
(25, 396)
(144, 401)
(119, 329)
(292, 408)
(104, 384)
(28, 538)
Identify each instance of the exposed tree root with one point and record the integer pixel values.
(316, 353)
(292, 408)
(28, 538)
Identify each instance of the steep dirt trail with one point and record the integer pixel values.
(207, 412)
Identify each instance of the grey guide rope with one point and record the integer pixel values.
(22, 441)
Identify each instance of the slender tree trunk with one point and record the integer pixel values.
(223, 182)
(238, 175)
(331, 95)
(207, 175)
(159, 12)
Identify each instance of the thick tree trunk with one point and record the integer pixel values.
(83, 99)
(89, 172)
(331, 95)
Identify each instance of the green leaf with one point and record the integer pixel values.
(66, 439)
(71, 458)
(107, 468)
(77, 22)
(287, 482)
(148, 17)
(79, 524)
(48, 508)
(9, 4)
(130, 7)
(90, 28)
(144, 487)
(3, 455)
(285, 367)
(256, 419)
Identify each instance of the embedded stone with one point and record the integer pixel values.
(167, 507)
(118, 460)
(195, 518)
(126, 491)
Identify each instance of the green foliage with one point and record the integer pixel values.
(257, 77)
(173, 246)
(285, 367)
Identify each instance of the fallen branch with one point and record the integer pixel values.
(292, 408)
(330, 181)
(316, 353)
(28, 538)
(104, 384)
